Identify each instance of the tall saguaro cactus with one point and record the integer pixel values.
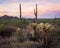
(35, 13)
(20, 10)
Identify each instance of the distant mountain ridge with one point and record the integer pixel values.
(5, 17)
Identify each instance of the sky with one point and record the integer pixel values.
(46, 8)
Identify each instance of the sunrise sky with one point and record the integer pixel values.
(46, 8)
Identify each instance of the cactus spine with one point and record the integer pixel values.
(20, 10)
(35, 13)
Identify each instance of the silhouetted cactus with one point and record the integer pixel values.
(35, 13)
(20, 10)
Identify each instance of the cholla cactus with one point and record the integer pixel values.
(33, 24)
(52, 28)
(42, 29)
(18, 29)
(40, 26)
(45, 26)
(30, 30)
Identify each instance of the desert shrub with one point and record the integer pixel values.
(7, 30)
(22, 36)
(52, 39)
(26, 44)
(30, 44)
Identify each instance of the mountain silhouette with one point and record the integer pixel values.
(6, 17)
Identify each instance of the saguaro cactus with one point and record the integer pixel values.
(20, 10)
(35, 13)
